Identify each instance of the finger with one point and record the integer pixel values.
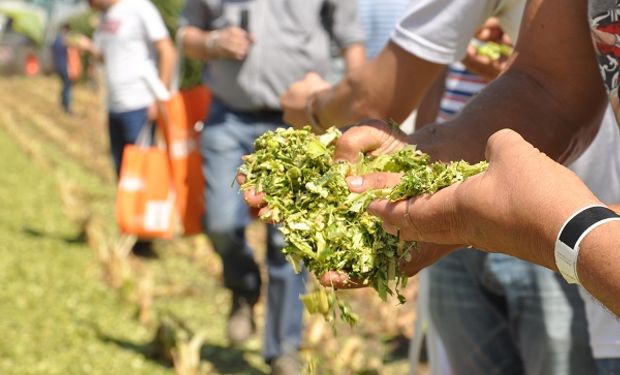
(339, 280)
(429, 218)
(254, 199)
(370, 135)
(391, 229)
(359, 184)
(392, 213)
(240, 178)
(265, 215)
(503, 140)
(312, 76)
(424, 255)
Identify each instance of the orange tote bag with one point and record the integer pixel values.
(145, 200)
(181, 122)
(74, 64)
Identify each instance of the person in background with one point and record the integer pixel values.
(252, 51)
(60, 57)
(138, 59)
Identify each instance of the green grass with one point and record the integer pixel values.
(58, 317)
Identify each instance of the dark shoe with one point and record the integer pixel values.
(286, 364)
(144, 249)
(241, 321)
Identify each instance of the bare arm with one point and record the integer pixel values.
(167, 60)
(430, 104)
(85, 44)
(228, 43)
(378, 89)
(354, 56)
(560, 116)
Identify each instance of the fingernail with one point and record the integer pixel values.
(355, 181)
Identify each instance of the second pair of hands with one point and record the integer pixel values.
(374, 138)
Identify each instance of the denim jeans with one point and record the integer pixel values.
(65, 92)
(608, 366)
(500, 315)
(226, 137)
(124, 128)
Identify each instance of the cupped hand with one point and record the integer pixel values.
(422, 256)
(517, 206)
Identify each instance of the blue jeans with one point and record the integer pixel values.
(124, 128)
(65, 92)
(608, 366)
(226, 137)
(500, 315)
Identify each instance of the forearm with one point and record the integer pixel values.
(167, 61)
(431, 103)
(354, 56)
(615, 207)
(196, 43)
(378, 89)
(598, 264)
(561, 127)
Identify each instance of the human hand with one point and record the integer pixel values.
(152, 111)
(255, 201)
(229, 43)
(487, 67)
(294, 100)
(422, 256)
(82, 43)
(371, 136)
(517, 206)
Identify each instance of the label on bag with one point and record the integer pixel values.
(131, 183)
(157, 215)
(182, 148)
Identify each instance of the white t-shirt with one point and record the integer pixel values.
(125, 37)
(439, 31)
(599, 167)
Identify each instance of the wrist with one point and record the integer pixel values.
(212, 43)
(574, 230)
(311, 113)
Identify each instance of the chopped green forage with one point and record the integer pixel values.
(325, 225)
(493, 50)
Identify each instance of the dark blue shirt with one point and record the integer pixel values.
(59, 54)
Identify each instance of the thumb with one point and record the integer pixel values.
(358, 184)
(313, 76)
(505, 143)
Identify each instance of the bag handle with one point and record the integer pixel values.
(146, 135)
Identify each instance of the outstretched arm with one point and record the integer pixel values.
(551, 93)
(518, 207)
(384, 87)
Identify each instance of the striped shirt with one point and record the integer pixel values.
(461, 86)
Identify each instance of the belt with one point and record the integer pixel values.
(259, 112)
